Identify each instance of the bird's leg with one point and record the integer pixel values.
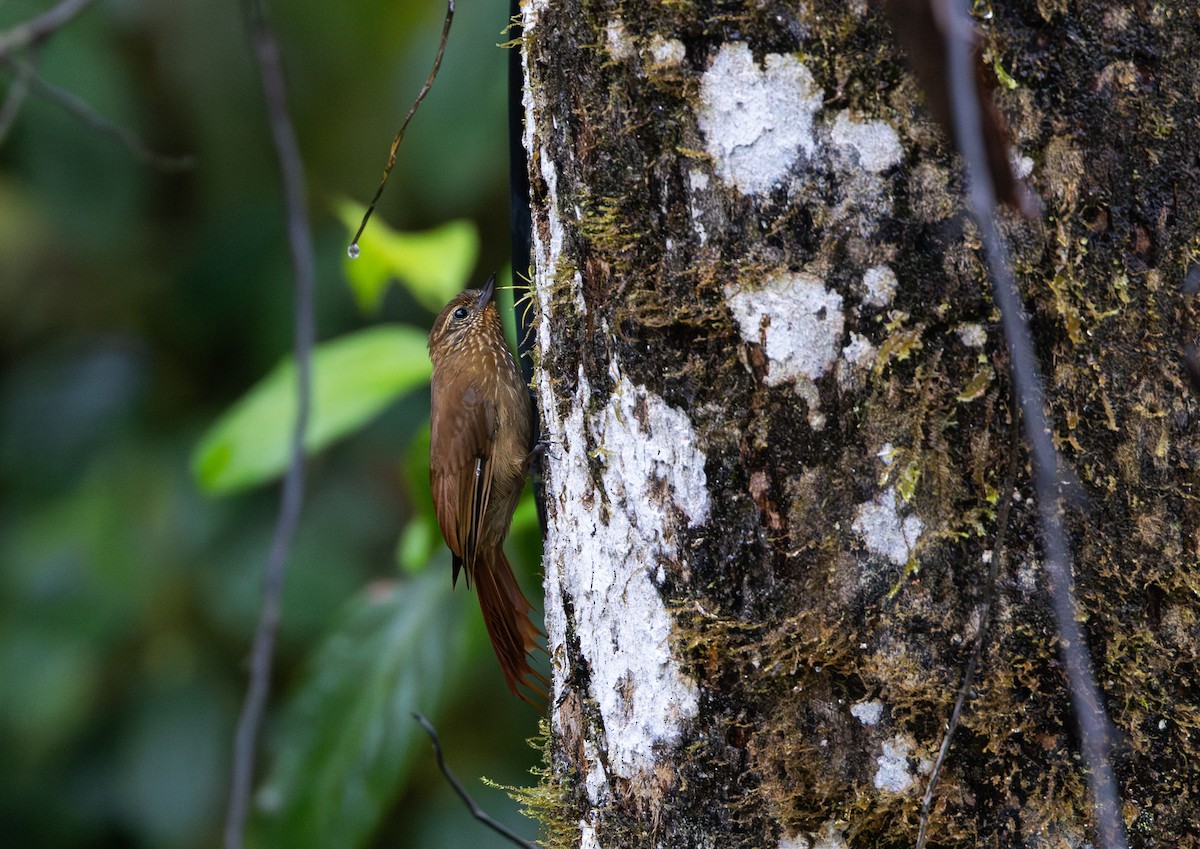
(537, 452)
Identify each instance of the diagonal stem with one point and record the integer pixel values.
(476, 811)
(412, 110)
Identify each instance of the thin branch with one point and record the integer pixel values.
(266, 52)
(77, 108)
(476, 811)
(985, 618)
(412, 110)
(35, 30)
(1050, 471)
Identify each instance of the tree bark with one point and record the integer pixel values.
(776, 394)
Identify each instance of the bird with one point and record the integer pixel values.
(480, 430)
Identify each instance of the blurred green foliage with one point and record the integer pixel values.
(347, 740)
(354, 377)
(136, 309)
(434, 264)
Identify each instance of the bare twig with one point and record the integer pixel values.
(1050, 472)
(476, 811)
(985, 618)
(266, 52)
(412, 110)
(35, 30)
(25, 73)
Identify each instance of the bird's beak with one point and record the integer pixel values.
(489, 288)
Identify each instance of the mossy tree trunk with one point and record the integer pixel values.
(777, 398)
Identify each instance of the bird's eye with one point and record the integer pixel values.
(461, 313)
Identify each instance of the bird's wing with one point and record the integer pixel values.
(460, 471)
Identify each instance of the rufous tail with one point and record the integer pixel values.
(506, 614)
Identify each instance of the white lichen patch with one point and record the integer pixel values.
(617, 40)
(797, 321)
(868, 713)
(859, 352)
(674, 458)
(972, 335)
(698, 183)
(667, 51)
(603, 554)
(894, 774)
(884, 532)
(874, 144)
(1027, 576)
(587, 836)
(831, 836)
(756, 121)
(596, 780)
(879, 286)
(550, 175)
(857, 358)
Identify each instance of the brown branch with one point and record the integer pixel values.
(412, 110)
(266, 53)
(476, 811)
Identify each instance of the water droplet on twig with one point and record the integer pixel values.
(982, 9)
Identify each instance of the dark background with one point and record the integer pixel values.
(135, 307)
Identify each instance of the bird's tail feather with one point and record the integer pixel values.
(506, 614)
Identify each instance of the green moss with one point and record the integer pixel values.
(605, 227)
(551, 802)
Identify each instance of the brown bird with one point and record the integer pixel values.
(479, 449)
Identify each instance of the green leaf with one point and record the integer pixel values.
(525, 518)
(1003, 76)
(347, 741)
(434, 265)
(354, 378)
(416, 471)
(418, 541)
(422, 536)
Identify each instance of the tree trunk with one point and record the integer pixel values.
(777, 398)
